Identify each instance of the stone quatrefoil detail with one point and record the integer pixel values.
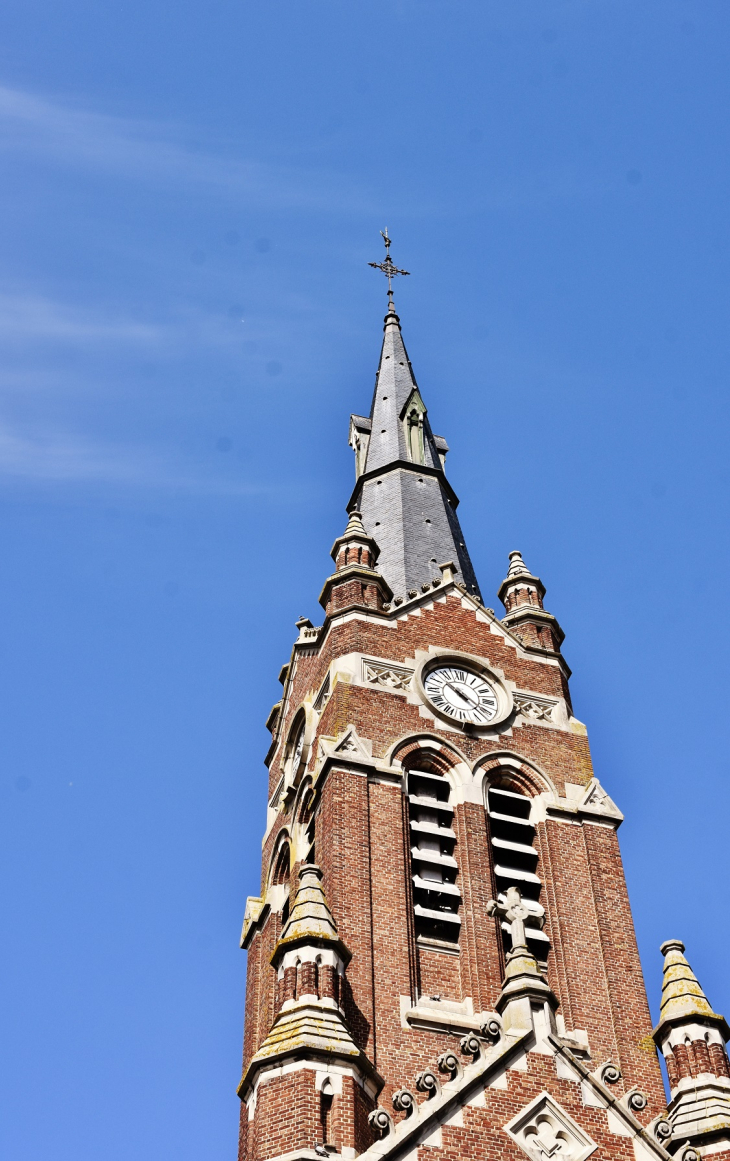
(546, 1132)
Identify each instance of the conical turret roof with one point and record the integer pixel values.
(517, 566)
(355, 531)
(682, 997)
(310, 920)
(681, 992)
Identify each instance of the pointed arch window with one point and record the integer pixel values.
(306, 820)
(434, 869)
(515, 858)
(280, 876)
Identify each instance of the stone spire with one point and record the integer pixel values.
(310, 920)
(407, 504)
(682, 996)
(691, 1037)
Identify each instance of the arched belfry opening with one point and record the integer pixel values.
(512, 838)
(434, 869)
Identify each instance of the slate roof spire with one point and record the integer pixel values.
(407, 504)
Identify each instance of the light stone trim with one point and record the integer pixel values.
(315, 1066)
(582, 804)
(444, 1016)
(252, 914)
(646, 1147)
(429, 1115)
(323, 696)
(700, 1105)
(696, 1031)
(347, 745)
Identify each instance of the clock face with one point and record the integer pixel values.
(463, 695)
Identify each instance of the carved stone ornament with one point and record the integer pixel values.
(546, 1132)
(380, 1122)
(530, 707)
(596, 800)
(347, 745)
(387, 676)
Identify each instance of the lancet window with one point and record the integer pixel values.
(436, 895)
(280, 876)
(515, 859)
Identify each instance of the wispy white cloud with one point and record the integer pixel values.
(27, 316)
(60, 456)
(137, 149)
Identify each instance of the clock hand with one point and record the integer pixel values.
(455, 689)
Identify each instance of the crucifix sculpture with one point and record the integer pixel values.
(389, 269)
(515, 912)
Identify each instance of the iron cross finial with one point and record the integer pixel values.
(389, 269)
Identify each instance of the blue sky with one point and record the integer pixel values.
(190, 197)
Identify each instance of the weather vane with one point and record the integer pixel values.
(390, 270)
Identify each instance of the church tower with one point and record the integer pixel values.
(442, 962)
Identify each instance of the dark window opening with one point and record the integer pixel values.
(434, 870)
(326, 1101)
(514, 856)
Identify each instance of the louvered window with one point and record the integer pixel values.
(515, 859)
(436, 895)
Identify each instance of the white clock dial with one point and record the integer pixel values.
(463, 695)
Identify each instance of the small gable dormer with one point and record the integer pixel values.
(360, 429)
(413, 417)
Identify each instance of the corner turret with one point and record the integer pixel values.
(355, 583)
(310, 1043)
(691, 1037)
(522, 594)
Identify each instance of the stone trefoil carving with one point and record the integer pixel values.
(545, 1132)
(387, 676)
